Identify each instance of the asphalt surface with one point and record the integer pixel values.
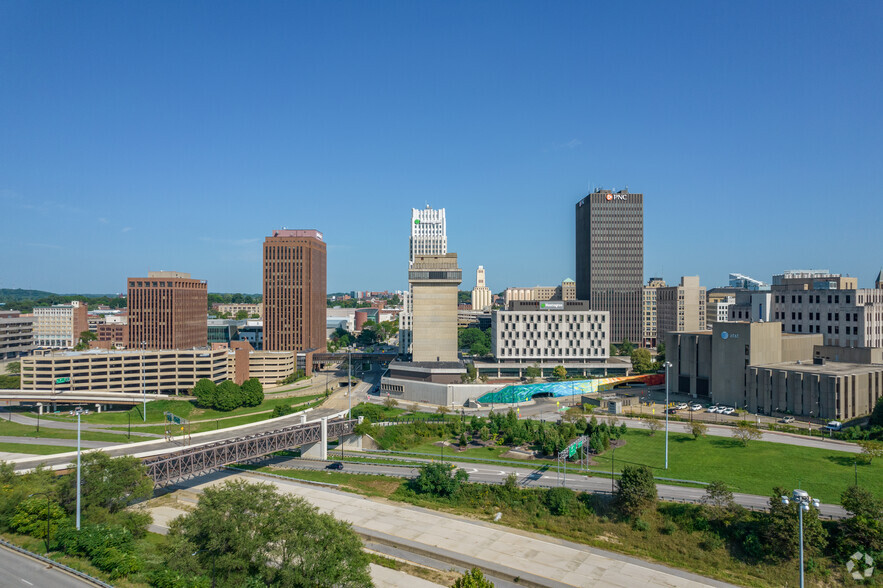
(57, 442)
(20, 571)
(542, 477)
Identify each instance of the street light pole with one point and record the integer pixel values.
(143, 384)
(804, 501)
(78, 468)
(667, 365)
(612, 476)
(349, 383)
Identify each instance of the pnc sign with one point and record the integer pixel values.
(611, 197)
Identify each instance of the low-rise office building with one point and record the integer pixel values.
(59, 326)
(649, 312)
(233, 309)
(681, 307)
(559, 332)
(566, 291)
(754, 365)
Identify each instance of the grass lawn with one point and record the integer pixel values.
(182, 408)
(18, 430)
(754, 469)
(33, 449)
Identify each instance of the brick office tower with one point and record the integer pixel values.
(294, 290)
(167, 310)
(610, 258)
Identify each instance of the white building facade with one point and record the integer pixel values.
(558, 331)
(481, 294)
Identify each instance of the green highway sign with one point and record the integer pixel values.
(62, 380)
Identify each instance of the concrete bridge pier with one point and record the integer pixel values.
(317, 450)
(351, 442)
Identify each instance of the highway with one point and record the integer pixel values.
(21, 571)
(543, 477)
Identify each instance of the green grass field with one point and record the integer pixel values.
(17, 430)
(33, 449)
(754, 469)
(182, 408)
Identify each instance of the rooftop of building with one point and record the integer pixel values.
(833, 368)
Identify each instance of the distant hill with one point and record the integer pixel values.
(16, 294)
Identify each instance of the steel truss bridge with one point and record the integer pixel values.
(170, 468)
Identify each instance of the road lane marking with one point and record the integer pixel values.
(26, 582)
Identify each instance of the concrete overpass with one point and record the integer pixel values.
(54, 397)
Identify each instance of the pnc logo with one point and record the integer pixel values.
(610, 197)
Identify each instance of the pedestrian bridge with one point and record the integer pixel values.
(72, 397)
(166, 468)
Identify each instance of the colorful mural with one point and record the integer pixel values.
(524, 392)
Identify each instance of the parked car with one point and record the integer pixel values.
(672, 411)
(682, 406)
(711, 409)
(833, 426)
(695, 407)
(787, 419)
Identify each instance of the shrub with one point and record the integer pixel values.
(205, 391)
(252, 392)
(637, 490)
(641, 525)
(438, 479)
(669, 528)
(559, 500)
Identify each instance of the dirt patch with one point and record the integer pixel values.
(382, 488)
(517, 454)
(608, 538)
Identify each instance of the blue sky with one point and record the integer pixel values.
(177, 135)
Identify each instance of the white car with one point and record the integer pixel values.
(787, 419)
(695, 407)
(728, 410)
(711, 409)
(682, 406)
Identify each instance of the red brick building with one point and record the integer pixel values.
(167, 310)
(294, 290)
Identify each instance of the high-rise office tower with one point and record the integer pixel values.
(481, 294)
(294, 290)
(610, 258)
(428, 237)
(167, 310)
(428, 233)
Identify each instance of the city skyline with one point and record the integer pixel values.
(343, 118)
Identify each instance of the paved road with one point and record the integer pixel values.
(20, 571)
(542, 477)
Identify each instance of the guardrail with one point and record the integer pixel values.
(53, 563)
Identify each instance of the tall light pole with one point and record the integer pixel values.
(349, 383)
(667, 365)
(803, 501)
(143, 385)
(78, 467)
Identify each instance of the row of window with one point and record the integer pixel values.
(812, 298)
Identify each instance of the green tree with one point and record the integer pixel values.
(241, 315)
(626, 347)
(559, 500)
(252, 392)
(746, 431)
(614, 350)
(85, 338)
(532, 373)
(13, 367)
(472, 579)
(313, 549)
(205, 391)
(871, 449)
(876, 419)
(228, 396)
(438, 479)
(779, 532)
(698, 429)
(637, 490)
(642, 362)
(389, 402)
(109, 483)
(654, 424)
(863, 531)
(660, 352)
(559, 372)
(463, 441)
(718, 499)
(30, 517)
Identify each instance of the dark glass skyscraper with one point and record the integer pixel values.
(610, 258)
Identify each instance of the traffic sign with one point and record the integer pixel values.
(62, 380)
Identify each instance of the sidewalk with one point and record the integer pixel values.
(535, 558)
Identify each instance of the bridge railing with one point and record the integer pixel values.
(181, 465)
